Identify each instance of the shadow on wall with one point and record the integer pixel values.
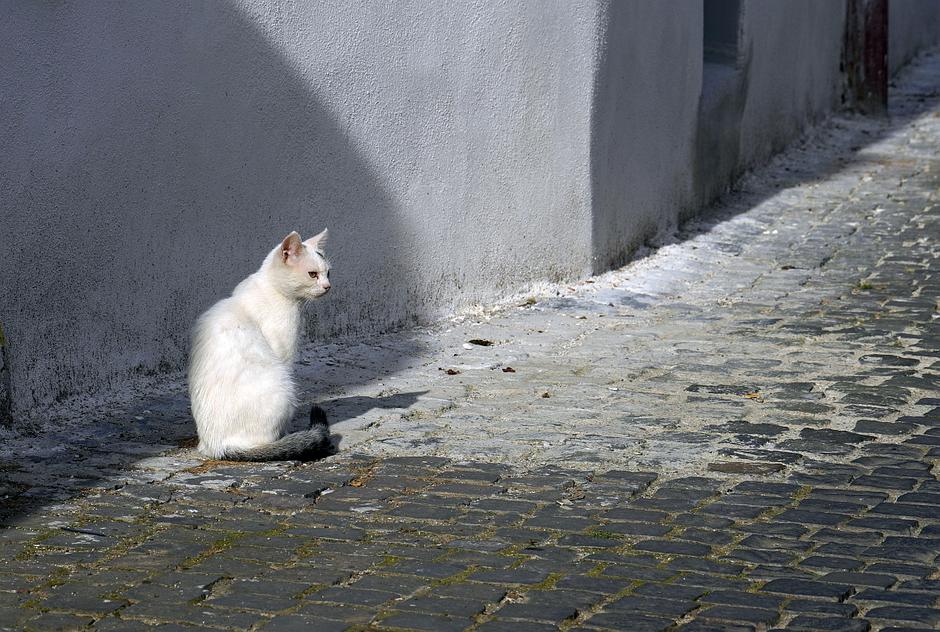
(153, 154)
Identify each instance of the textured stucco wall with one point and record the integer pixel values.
(154, 152)
(912, 26)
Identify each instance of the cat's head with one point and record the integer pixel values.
(302, 267)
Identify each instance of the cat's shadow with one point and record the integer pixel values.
(346, 408)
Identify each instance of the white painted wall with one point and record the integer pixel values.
(154, 152)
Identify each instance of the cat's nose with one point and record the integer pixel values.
(326, 285)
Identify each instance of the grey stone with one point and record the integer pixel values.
(828, 624)
(738, 614)
(927, 616)
(808, 588)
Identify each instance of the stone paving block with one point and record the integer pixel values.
(509, 505)
(898, 597)
(712, 626)
(559, 523)
(592, 583)
(885, 482)
(920, 498)
(252, 601)
(741, 512)
(422, 621)
(850, 540)
(651, 605)
(806, 623)
(721, 567)
(673, 547)
(859, 579)
(58, 621)
(627, 620)
(301, 623)
(896, 428)
(739, 614)
(884, 524)
(667, 504)
(397, 584)
(351, 596)
(82, 600)
(500, 625)
(633, 572)
(767, 572)
(899, 553)
(702, 520)
(424, 512)
(713, 582)
(808, 588)
(814, 479)
(813, 517)
(903, 469)
(348, 615)
(427, 570)
(813, 606)
(825, 562)
(756, 500)
(517, 575)
(670, 591)
(554, 606)
(925, 616)
(774, 543)
(449, 606)
(828, 504)
(758, 556)
(744, 599)
(900, 569)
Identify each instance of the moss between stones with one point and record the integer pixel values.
(606, 535)
(222, 544)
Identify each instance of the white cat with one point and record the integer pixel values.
(240, 379)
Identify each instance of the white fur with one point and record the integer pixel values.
(240, 379)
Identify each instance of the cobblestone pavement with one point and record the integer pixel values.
(738, 432)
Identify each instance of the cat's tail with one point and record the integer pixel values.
(297, 446)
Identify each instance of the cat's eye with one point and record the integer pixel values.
(314, 274)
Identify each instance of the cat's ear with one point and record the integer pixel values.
(291, 246)
(318, 241)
